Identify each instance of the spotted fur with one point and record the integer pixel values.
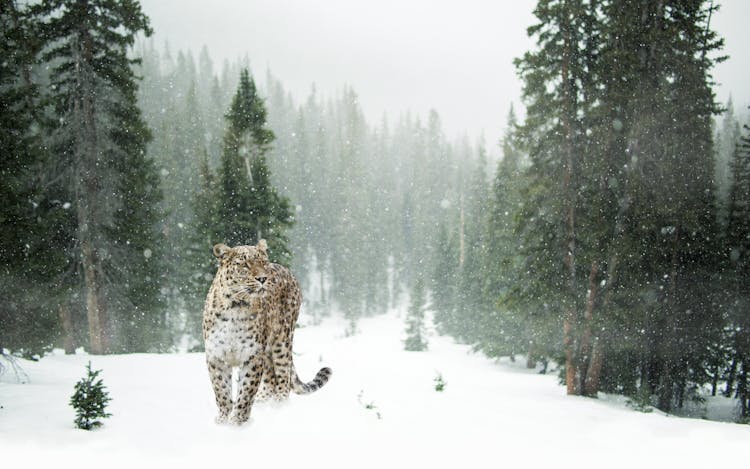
(248, 324)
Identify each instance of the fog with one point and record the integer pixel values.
(452, 56)
(608, 245)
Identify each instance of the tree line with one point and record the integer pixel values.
(617, 235)
(612, 236)
(365, 200)
(86, 244)
(129, 162)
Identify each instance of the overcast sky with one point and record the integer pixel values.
(451, 55)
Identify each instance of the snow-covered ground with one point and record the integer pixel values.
(490, 414)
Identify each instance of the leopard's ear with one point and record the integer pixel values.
(220, 250)
(263, 246)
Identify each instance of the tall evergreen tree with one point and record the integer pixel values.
(137, 244)
(249, 206)
(36, 234)
(444, 284)
(98, 134)
(472, 305)
(738, 254)
(667, 240)
(557, 89)
(415, 320)
(507, 329)
(201, 265)
(726, 140)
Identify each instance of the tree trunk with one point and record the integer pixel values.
(668, 381)
(742, 390)
(570, 323)
(571, 363)
(531, 356)
(714, 379)
(730, 378)
(66, 323)
(588, 315)
(593, 376)
(95, 311)
(89, 197)
(589, 351)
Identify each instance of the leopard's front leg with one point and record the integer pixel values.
(250, 374)
(221, 380)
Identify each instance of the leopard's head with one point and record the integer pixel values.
(244, 268)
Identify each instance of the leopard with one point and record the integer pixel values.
(249, 319)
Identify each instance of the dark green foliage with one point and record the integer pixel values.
(502, 327)
(35, 240)
(201, 264)
(249, 207)
(737, 299)
(415, 320)
(90, 400)
(138, 244)
(601, 248)
(664, 238)
(471, 303)
(236, 204)
(444, 280)
(725, 143)
(98, 141)
(439, 383)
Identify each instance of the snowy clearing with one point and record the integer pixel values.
(490, 414)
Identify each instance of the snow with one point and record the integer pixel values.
(490, 414)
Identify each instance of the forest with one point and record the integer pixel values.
(611, 240)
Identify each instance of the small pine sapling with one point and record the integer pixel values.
(415, 329)
(90, 400)
(439, 383)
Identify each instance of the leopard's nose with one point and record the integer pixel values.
(262, 280)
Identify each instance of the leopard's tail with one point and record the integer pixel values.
(306, 388)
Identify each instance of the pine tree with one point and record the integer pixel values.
(737, 244)
(557, 87)
(665, 232)
(443, 285)
(506, 329)
(415, 327)
(726, 139)
(472, 305)
(98, 133)
(200, 266)
(90, 400)
(19, 145)
(439, 383)
(137, 244)
(35, 241)
(249, 206)
(350, 260)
